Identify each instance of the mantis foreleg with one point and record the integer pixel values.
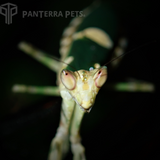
(60, 144)
(77, 149)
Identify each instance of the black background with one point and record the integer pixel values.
(120, 125)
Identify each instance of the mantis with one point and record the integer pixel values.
(93, 37)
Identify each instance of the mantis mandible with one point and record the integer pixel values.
(79, 82)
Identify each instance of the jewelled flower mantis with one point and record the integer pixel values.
(79, 81)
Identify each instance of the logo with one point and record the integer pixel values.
(8, 10)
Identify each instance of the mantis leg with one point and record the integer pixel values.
(77, 148)
(40, 56)
(49, 90)
(60, 143)
(132, 86)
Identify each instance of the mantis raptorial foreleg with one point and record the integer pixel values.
(60, 144)
(77, 149)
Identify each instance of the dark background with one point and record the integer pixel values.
(120, 125)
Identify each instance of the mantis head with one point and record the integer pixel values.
(84, 85)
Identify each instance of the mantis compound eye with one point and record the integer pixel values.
(68, 79)
(101, 77)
